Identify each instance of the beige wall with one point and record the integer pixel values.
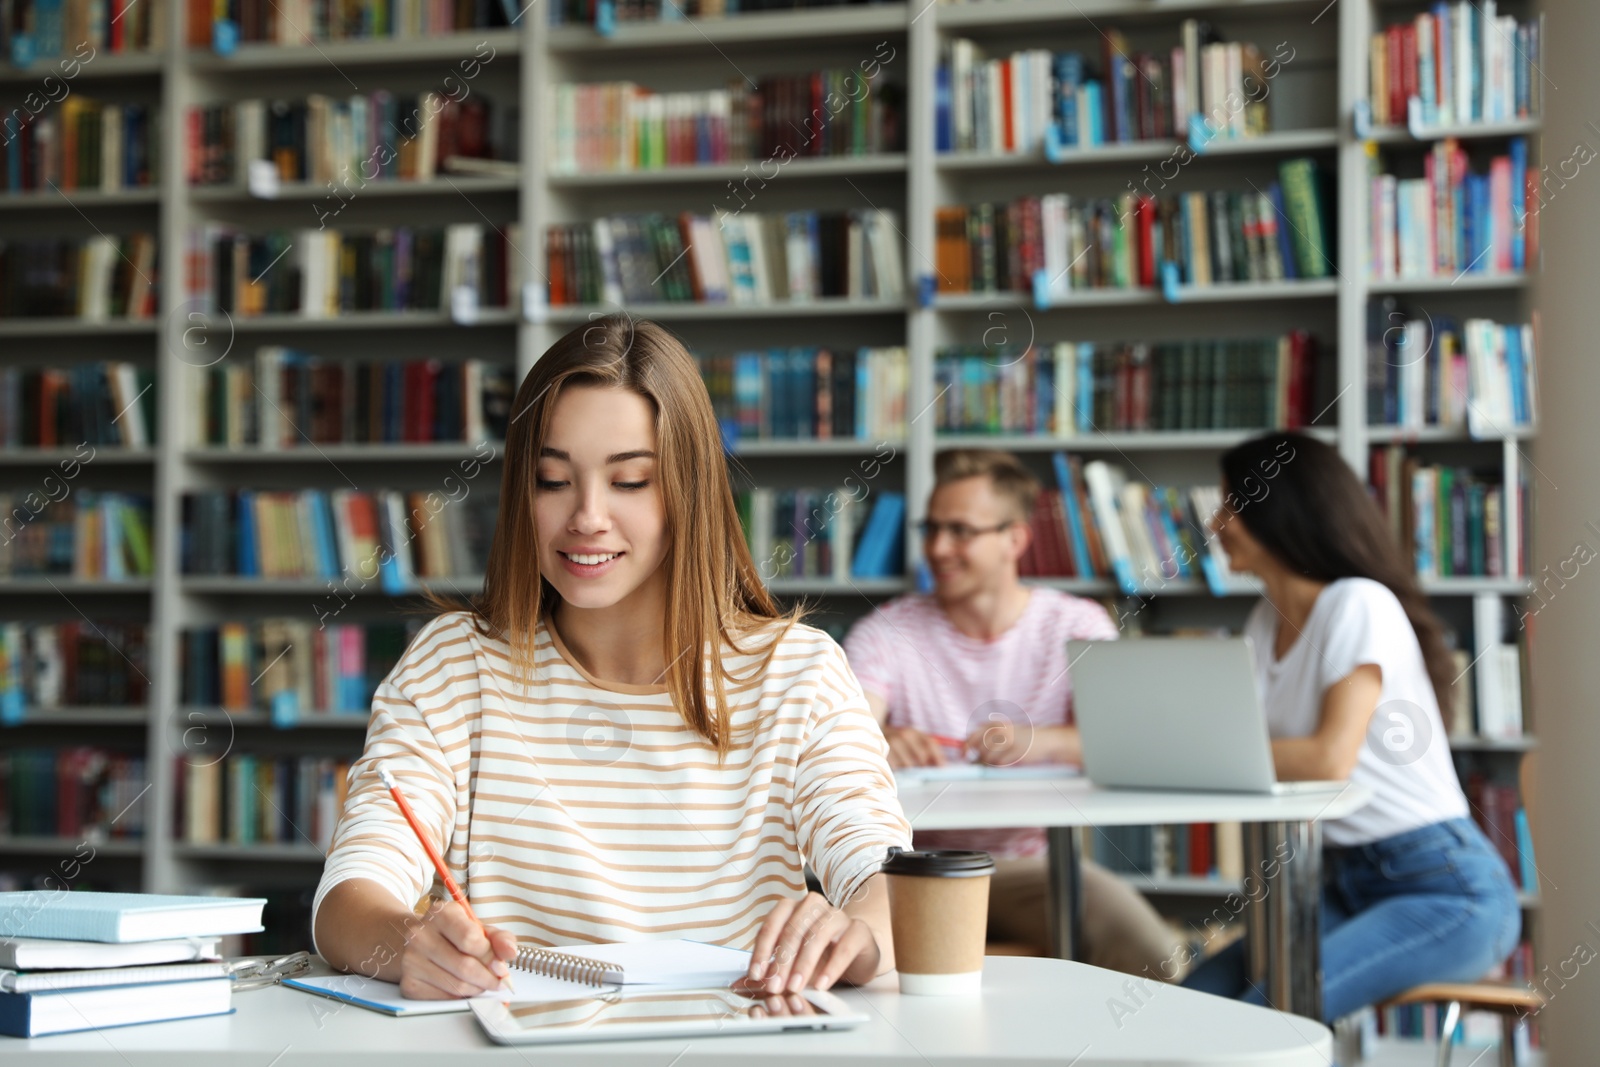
(1566, 666)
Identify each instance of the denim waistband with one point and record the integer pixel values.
(1459, 832)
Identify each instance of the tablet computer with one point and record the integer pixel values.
(645, 1013)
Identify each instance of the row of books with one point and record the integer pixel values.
(297, 22)
(1462, 62)
(1453, 520)
(99, 404)
(84, 533)
(289, 665)
(809, 393)
(69, 664)
(94, 278)
(622, 126)
(835, 534)
(1015, 103)
(82, 144)
(376, 136)
(322, 273)
(738, 258)
(44, 29)
(291, 399)
(1497, 808)
(250, 799)
(1479, 376)
(75, 792)
(395, 538)
(1452, 221)
(1180, 850)
(1280, 233)
(1076, 388)
(589, 12)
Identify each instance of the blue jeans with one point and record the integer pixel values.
(1434, 904)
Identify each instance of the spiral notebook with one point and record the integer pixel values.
(541, 974)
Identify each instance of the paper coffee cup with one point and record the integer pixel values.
(939, 916)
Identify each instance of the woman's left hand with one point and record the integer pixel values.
(811, 942)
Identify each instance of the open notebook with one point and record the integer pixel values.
(540, 974)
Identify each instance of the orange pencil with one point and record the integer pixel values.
(433, 853)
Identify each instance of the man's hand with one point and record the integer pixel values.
(912, 748)
(811, 942)
(1006, 744)
(449, 955)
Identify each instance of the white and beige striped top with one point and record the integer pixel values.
(577, 811)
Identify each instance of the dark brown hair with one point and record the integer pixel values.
(713, 590)
(1012, 481)
(1304, 504)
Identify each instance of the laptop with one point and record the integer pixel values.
(1175, 713)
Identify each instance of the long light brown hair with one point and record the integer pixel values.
(715, 598)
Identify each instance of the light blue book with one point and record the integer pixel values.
(118, 917)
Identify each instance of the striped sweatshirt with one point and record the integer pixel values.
(576, 811)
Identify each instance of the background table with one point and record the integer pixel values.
(1281, 896)
(1032, 1011)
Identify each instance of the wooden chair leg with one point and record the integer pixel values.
(1508, 1041)
(1447, 1031)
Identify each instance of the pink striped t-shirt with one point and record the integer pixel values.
(939, 680)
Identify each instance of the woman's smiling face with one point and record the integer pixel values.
(601, 519)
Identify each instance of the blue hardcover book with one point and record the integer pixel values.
(64, 1011)
(943, 141)
(1069, 78)
(1529, 870)
(1519, 384)
(1519, 201)
(327, 540)
(1082, 562)
(863, 415)
(1291, 269)
(1083, 394)
(245, 565)
(118, 917)
(875, 554)
(1095, 96)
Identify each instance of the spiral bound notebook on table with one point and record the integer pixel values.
(555, 974)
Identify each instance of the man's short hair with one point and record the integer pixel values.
(1012, 482)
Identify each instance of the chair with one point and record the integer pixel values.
(1510, 1002)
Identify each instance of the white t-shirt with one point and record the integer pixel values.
(1405, 760)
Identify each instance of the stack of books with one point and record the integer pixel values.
(735, 257)
(1478, 376)
(76, 792)
(1013, 104)
(809, 393)
(86, 961)
(83, 144)
(1452, 221)
(1454, 521)
(89, 534)
(325, 669)
(292, 399)
(388, 536)
(93, 278)
(76, 663)
(1280, 233)
(323, 272)
(622, 126)
(1072, 388)
(377, 136)
(1461, 62)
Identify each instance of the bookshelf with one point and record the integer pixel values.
(1320, 110)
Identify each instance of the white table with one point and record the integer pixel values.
(1281, 897)
(1032, 1011)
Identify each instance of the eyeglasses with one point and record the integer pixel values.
(256, 972)
(959, 532)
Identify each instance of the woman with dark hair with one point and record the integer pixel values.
(1353, 671)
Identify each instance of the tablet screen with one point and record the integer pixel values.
(709, 1007)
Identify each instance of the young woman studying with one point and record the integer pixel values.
(1353, 670)
(623, 739)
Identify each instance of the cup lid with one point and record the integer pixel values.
(938, 863)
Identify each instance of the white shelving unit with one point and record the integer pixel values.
(1317, 99)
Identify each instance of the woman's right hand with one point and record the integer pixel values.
(448, 955)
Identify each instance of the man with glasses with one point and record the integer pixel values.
(980, 667)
